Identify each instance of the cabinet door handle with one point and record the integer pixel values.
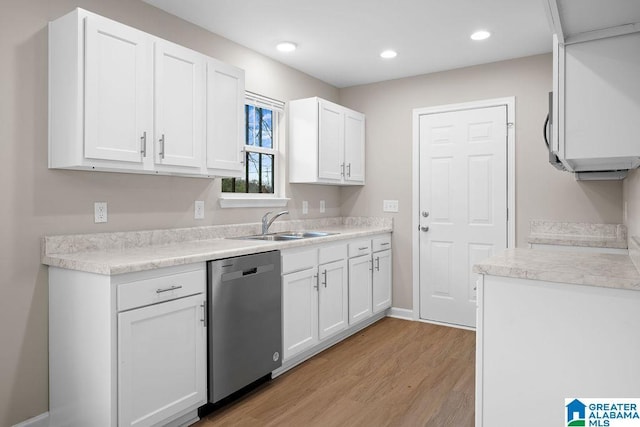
(161, 153)
(204, 313)
(377, 263)
(342, 169)
(172, 288)
(370, 265)
(317, 285)
(143, 144)
(324, 273)
(349, 170)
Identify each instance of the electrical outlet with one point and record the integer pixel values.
(305, 207)
(390, 205)
(322, 206)
(100, 212)
(199, 209)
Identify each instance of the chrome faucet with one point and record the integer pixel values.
(266, 222)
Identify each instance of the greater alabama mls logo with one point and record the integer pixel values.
(602, 412)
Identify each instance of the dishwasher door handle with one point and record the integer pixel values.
(247, 272)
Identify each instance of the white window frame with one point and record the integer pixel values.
(260, 200)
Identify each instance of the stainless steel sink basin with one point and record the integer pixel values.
(273, 237)
(285, 235)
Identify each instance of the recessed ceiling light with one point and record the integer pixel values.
(480, 35)
(388, 54)
(286, 46)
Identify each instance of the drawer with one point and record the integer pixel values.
(381, 243)
(162, 288)
(332, 253)
(359, 247)
(299, 260)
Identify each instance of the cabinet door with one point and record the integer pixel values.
(179, 105)
(359, 288)
(381, 280)
(333, 298)
(299, 311)
(118, 94)
(330, 141)
(161, 360)
(225, 119)
(354, 147)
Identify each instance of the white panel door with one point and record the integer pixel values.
(225, 119)
(333, 298)
(360, 288)
(381, 283)
(179, 105)
(330, 141)
(118, 92)
(299, 311)
(463, 207)
(161, 361)
(354, 144)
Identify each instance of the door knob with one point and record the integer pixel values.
(425, 214)
(423, 228)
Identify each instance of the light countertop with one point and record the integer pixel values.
(580, 268)
(126, 252)
(578, 234)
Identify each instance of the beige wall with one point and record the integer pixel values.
(541, 191)
(35, 201)
(632, 202)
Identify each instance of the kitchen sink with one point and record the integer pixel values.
(285, 235)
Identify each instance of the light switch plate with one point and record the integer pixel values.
(390, 206)
(322, 206)
(305, 207)
(199, 209)
(100, 212)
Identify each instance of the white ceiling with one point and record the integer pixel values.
(339, 41)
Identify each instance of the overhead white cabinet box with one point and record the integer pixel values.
(326, 143)
(596, 95)
(122, 100)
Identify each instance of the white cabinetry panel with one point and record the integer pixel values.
(118, 92)
(161, 361)
(327, 143)
(179, 105)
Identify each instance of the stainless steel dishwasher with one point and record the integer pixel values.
(245, 321)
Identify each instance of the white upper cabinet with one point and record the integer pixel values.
(596, 96)
(179, 105)
(225, 119)
(326, 143)
(117, 91)
(122, 100)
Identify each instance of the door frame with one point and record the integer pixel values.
(510, 103)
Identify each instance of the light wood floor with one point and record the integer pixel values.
(394, 373)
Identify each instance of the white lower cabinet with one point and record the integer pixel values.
(381, 282)
(332, 298)
(161, 361)
(328, 289)
(359, 288)
(300, 311)
(129, 349)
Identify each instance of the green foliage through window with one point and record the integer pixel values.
(259, 165)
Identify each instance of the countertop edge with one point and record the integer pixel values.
(81, 261)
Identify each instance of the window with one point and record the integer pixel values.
(259, 184)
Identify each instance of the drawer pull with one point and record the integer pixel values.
(172, 288)
(362, 249)
(384, 244)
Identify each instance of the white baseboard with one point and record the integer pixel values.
(400, 313)
(41, 420)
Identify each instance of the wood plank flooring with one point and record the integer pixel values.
(393, 373)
